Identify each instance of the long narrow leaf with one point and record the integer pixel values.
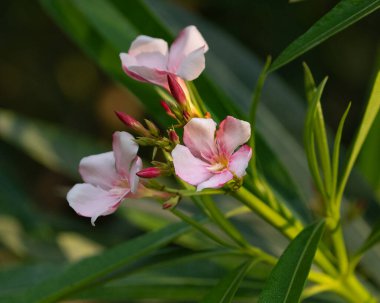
(83, 273)
(287, 279)
(370, 114)
(225, 290)
(345, 13)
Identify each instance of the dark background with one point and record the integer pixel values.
(45, 76)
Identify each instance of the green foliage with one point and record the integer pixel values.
(80, 275)
(345, 13)
(225, 290)
(288, 277)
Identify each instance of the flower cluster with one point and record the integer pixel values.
(209, 157)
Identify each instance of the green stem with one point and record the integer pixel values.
(220, 219)
(288, 227)
(201, 228)
(340, 248)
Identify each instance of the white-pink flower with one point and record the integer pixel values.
(109, 178)
(150, 60)
(210, 160)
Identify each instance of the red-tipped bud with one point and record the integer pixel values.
(176, 90)
(150, 172)
(127, 119)
(133, 123)
(173, 136)
(186, 115)
(167, 109)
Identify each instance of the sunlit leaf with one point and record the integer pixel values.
(370, 114)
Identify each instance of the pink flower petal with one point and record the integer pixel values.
(125, 150)
(199, 137)
(192, 65)
(146, 44)
(239, 160)
(189, 40)
(90, 201)
(231, 134)
(133, 178)
(99, 170)
(148, 74)
(187, 167)
(216, 181)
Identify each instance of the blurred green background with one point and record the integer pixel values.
(44, 75)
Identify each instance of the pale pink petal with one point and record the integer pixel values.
(187, 167)
(231, 134)
(146, 44)
(199, 137)
(133, 178)
(189, 40)
(99, 170)
(148, 74)
(216, 181)
(192, 65)
(125, 150)
(127, 61)
(90, 201)
(239, 160)
(152, 60)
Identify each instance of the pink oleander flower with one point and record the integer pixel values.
(150, 60)
(210, 160)
(109, 178)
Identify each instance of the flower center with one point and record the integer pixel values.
(120, 187)
(218, 164)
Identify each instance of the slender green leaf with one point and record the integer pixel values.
(336, 151)
(79, 275)
(319, 129)
(310, 125)
(225, 290)
(370, 114)
(287, 279)
(344, 14)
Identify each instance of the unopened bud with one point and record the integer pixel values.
(152, 128)
(171, 203)
(176, 90)
(132, 123)
(186, 115)
(143, 141)
(167, 109)
(150, 172)
(173, 136)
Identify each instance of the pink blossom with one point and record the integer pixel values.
(109, 178)
(150, 60)
(209, 160)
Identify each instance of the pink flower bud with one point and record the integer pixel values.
(150, 172)
(167, 109)
(127, 119)
(133, 123)
(173, 136)
(176, 90)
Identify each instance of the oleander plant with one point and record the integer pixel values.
(224, 204)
